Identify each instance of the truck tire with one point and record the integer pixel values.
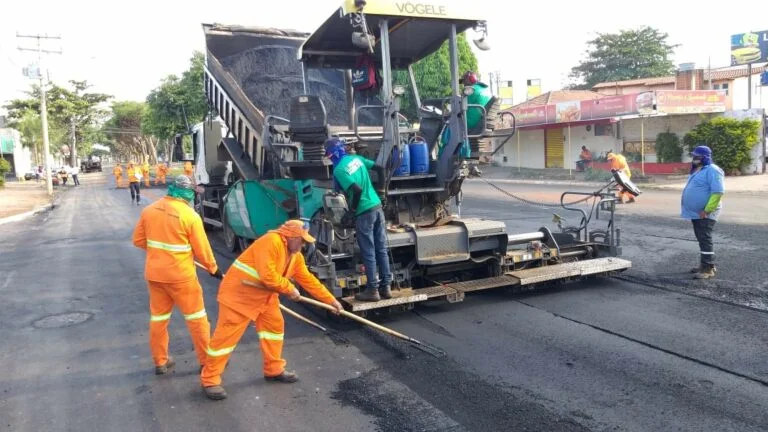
(230, 239)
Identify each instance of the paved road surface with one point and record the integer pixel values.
(596, 355)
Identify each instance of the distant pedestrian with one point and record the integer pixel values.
(701, 205)
(585, 159)
(134, 176)
(38, 173)
(75, 171)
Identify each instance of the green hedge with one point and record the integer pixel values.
(731, 141)
(668, 147)
(5, 168)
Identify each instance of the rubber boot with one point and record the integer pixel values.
(285, 377)
(385, 292)
(215, 392)
(166, 368)
(371, 294)
(706, 272)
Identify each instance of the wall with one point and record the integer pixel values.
(580, 136)
(606, 91)
(739, 90)
(652, 126)
(532, 146)
(531, 150)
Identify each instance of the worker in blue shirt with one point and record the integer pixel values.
(701, 205)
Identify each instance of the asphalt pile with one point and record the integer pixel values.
(271, 76)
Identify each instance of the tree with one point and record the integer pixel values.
(629, 54)
(731, 141)
(127, 135)
(67, 107)
(433, 75)
(177, 103)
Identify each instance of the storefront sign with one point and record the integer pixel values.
(690, 101)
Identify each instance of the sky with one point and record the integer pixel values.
(125, 51)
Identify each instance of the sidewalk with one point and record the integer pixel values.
(744, 184)
(19, 199)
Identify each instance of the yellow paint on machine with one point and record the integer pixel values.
(555, 148)
(416, 9)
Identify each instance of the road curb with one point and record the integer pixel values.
(21, 216)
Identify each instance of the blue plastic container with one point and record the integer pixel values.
(405, 162)
(419, 157)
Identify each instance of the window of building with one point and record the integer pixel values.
(603, 130)
(632, 149)
(722, 87)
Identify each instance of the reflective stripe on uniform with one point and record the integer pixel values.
(220, 352)
(250, 271)
(157, 318)
(196, 315)
(270, 336)
(169, 247)
(706, 253)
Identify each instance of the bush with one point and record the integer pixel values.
(597, 175)
(668, 147)
(731, 141)
(633, 156)
(5, 168)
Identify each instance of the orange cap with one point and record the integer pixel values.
(295, 228)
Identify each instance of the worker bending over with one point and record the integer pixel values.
(117, 171)
(270, 262)
(172, 233)
(351, 174)
(160, 172)
(619, 163)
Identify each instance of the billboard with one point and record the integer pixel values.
(749, 47)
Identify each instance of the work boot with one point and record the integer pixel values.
(371, 294)
(385, 291)
(699, 268)
(215, 392)
(166, 368)
(706, 272)
(284, 377)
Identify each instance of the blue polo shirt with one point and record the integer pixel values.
(701, 184)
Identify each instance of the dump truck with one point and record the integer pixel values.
(276, 96)
(91, 164)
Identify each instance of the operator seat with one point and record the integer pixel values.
(309, 125)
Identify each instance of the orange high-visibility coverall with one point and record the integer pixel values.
(171, 233)
(619, 163)
(160, 173)
(189, 169)
(117, 171)
(267, 263)
(145, 172)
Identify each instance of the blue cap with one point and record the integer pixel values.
(702, 151)
(334, 150)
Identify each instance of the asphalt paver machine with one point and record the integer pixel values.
(280, 110)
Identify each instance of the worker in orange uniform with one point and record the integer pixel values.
(271, 261)
(619, 163)
(133, 182)
(117, 171)
(160, 173)
(145, 173)
(189, 170)
(172, 232)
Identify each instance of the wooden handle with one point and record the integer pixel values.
(301, 318)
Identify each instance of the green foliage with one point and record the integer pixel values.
(633, 156)
(668, 147)
(731, 141)
(5, 168)
(629, 54)
(175, 98)
(65, 106)
(597, 175)
(433, 75)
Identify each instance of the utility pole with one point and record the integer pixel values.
(73, 150)
(43, 105)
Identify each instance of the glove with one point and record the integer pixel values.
(217, 275)
(348, 220)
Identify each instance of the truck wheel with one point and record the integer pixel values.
(229, 237)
